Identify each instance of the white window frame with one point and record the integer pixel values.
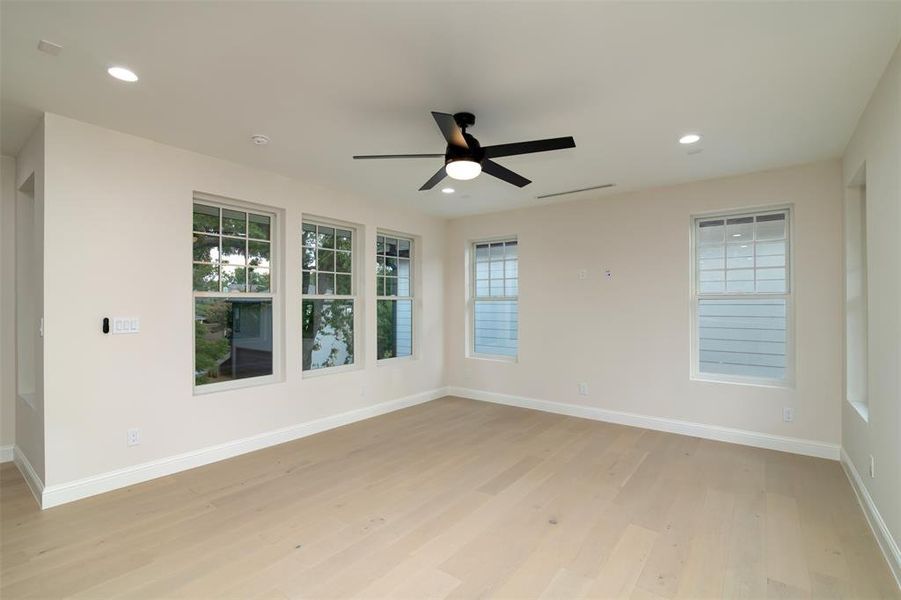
(356, 278)
(471, 300)
(695, 373)
(413, 297)
(856, 289)
(274, 295)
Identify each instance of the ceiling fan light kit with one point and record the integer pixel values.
(465, 158)
(463, 169)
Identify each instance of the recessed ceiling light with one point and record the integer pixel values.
(690, 138)
(448, 190)
(122, 74)
(259, 139)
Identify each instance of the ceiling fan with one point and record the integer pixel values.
(465, 158)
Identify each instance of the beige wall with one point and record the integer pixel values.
(7, 301)
(877, 144)
(118, 221)
(628, 337)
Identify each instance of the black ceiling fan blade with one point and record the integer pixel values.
(492, 168)
(433, 181)
(515, 148)
(449, 129)
(380, 156)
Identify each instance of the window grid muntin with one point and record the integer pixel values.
(333, 272)
(381, 278)
(785, 296)
(219, 264)
(753, 243)
(503, 262)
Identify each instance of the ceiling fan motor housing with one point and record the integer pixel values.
(474, 150)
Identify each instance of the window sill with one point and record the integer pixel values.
(237, 384)
(764, 383)
(387, 362)
(493, 358)
(312, 373)
(862, 409)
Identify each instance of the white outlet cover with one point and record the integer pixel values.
(133, 437)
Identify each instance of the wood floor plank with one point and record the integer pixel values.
(786, 562)
(619, 574)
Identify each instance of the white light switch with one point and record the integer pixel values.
(123, 325)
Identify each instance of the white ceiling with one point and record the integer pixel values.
(768, 84)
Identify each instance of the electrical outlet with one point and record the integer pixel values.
(133, 437)
(608, 274)
(583, 274)
(872, 467)
(583, 389)
(788, 414)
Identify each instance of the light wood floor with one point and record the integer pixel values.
(459, 499)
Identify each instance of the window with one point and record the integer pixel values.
(233, 294)
(394, 291)
(328, 295)
(495, 298)
(742, 297)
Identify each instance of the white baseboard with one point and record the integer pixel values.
(710, 432)
(57, 494)
(880, 530)
(35, 483)
(6, 453)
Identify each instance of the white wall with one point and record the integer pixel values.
(29, 411)
(876, 143)
(118, 222)
(628, 337)
(7, 302)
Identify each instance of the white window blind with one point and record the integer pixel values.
(495, 298)
(742, 296)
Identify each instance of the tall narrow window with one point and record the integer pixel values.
(233, 293)
(742, 297)
(495, 298)
(394, 268)
(328, 295)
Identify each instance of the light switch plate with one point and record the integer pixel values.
(123, 325)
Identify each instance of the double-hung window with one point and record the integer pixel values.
(233, 293)
(495, 298)
(742, 297)
(329, 296)
(394, 291)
